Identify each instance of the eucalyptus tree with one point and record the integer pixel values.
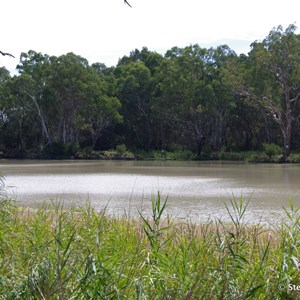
(20, 128)
(70, 100)
(69, 80)
(134, 85)
(217, 96)
(4, 108)
(272, 79)
(83, 98)
(151, 59)
(4, 77)
(31, 88)
(180, 103)
(192, 97)
(101, 109)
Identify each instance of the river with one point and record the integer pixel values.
(196, 191)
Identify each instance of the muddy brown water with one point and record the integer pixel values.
(195, 190)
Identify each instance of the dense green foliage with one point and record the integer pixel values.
(191, 99)
(82, 254)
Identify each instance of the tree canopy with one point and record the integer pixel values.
(192, 98)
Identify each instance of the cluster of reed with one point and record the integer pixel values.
(83, 254)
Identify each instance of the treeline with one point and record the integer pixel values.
(192, 98)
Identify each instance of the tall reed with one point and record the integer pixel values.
(53, 253)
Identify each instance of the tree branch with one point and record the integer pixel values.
(125, 2)
(6, 54)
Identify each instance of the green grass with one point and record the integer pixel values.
(52, 253)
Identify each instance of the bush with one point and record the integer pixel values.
(180, 155)
(294, 158)
(121, 149)
(89, 153)
(236, 156)
(272, 149)
(120, 153)
(58, 150)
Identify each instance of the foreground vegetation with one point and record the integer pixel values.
(84, 254)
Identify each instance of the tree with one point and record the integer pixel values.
(217, 96)
(273, 78)
(134, 91)
(32, 84)
(19, 127)
(100, 109)
(68, 84)
(4, 92)
(192, 98)
(67, 96)
(83, 99)
(178, 103)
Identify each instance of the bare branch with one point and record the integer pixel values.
(125, 2)
(295, 98)
(6, 54)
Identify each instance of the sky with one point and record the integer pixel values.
(105, 30)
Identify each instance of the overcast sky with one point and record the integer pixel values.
(105, 30)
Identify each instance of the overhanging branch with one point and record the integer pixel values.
(6, 54)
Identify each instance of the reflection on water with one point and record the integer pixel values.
(195, 190)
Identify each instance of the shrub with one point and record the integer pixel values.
(118, 153)
(272, 149)
(180, 155)
(294, 158)
(58, 150)
(121, 149)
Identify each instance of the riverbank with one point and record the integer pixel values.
(247, 156)
(269, 154)
(52, 253)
